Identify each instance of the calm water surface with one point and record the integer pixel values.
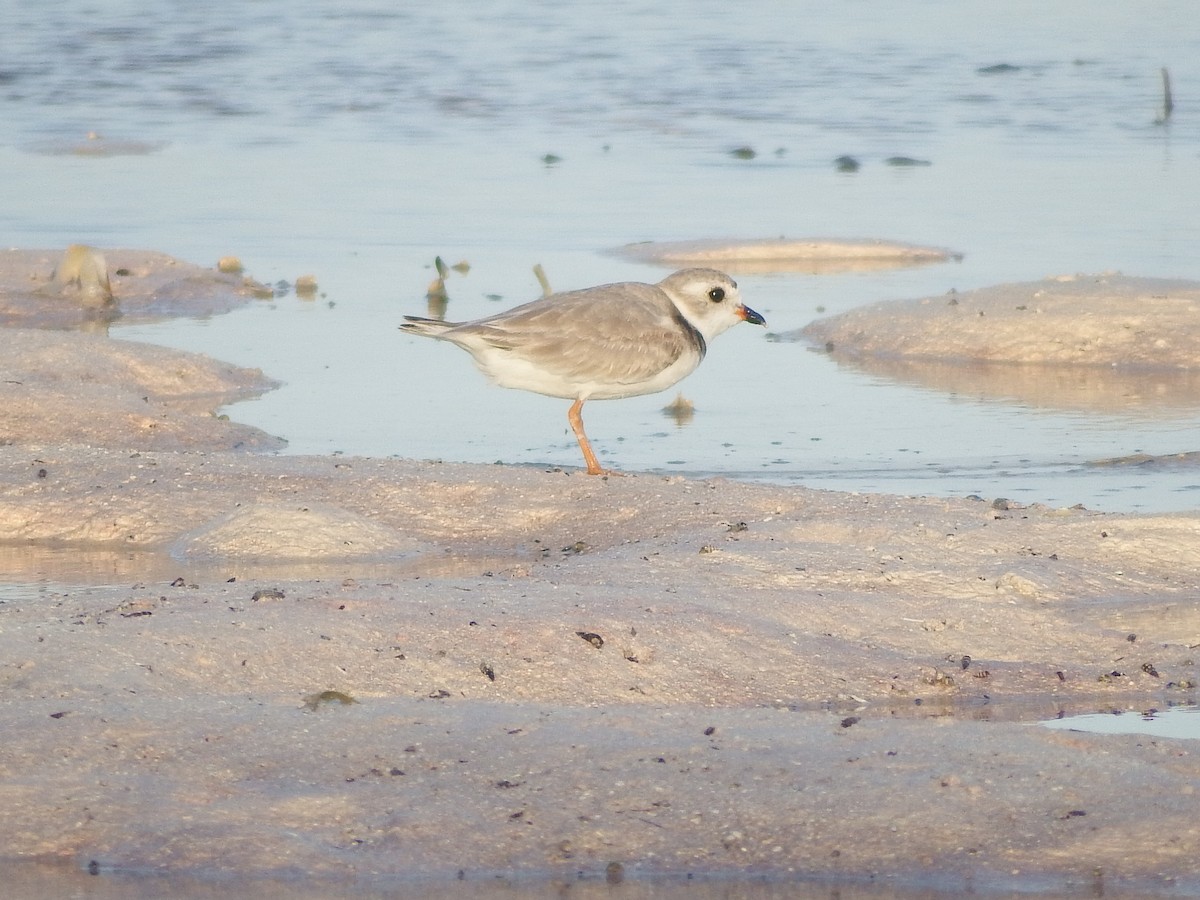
(1180, 722)
(357, 143)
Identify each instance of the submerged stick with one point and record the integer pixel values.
(1168, 102)
(542, 280)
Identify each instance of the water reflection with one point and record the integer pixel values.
(25, 566)
(1090, 389)
(681, 409)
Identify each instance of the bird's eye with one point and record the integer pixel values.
(716, 295)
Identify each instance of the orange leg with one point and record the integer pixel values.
(575, 417)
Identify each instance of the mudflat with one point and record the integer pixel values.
(218, 661)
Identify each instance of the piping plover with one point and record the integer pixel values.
(600, 343)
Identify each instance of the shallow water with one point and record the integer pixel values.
(1175, 722)
(357, 143)
(51, 883)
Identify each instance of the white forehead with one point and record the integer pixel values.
(697, 282)
(706, 297)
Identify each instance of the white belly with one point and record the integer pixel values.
(511, 371)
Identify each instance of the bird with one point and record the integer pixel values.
(600, 343)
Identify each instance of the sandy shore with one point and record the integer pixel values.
(813, 255)
(221, 662)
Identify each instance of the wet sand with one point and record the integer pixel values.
(814, 255)
(224, 663)
(1070, 320)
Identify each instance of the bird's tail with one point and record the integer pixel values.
(428, 327)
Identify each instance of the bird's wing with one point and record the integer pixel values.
(617, 334)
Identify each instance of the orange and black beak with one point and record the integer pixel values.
(746, 314)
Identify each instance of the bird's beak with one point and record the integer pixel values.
(746, 314)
